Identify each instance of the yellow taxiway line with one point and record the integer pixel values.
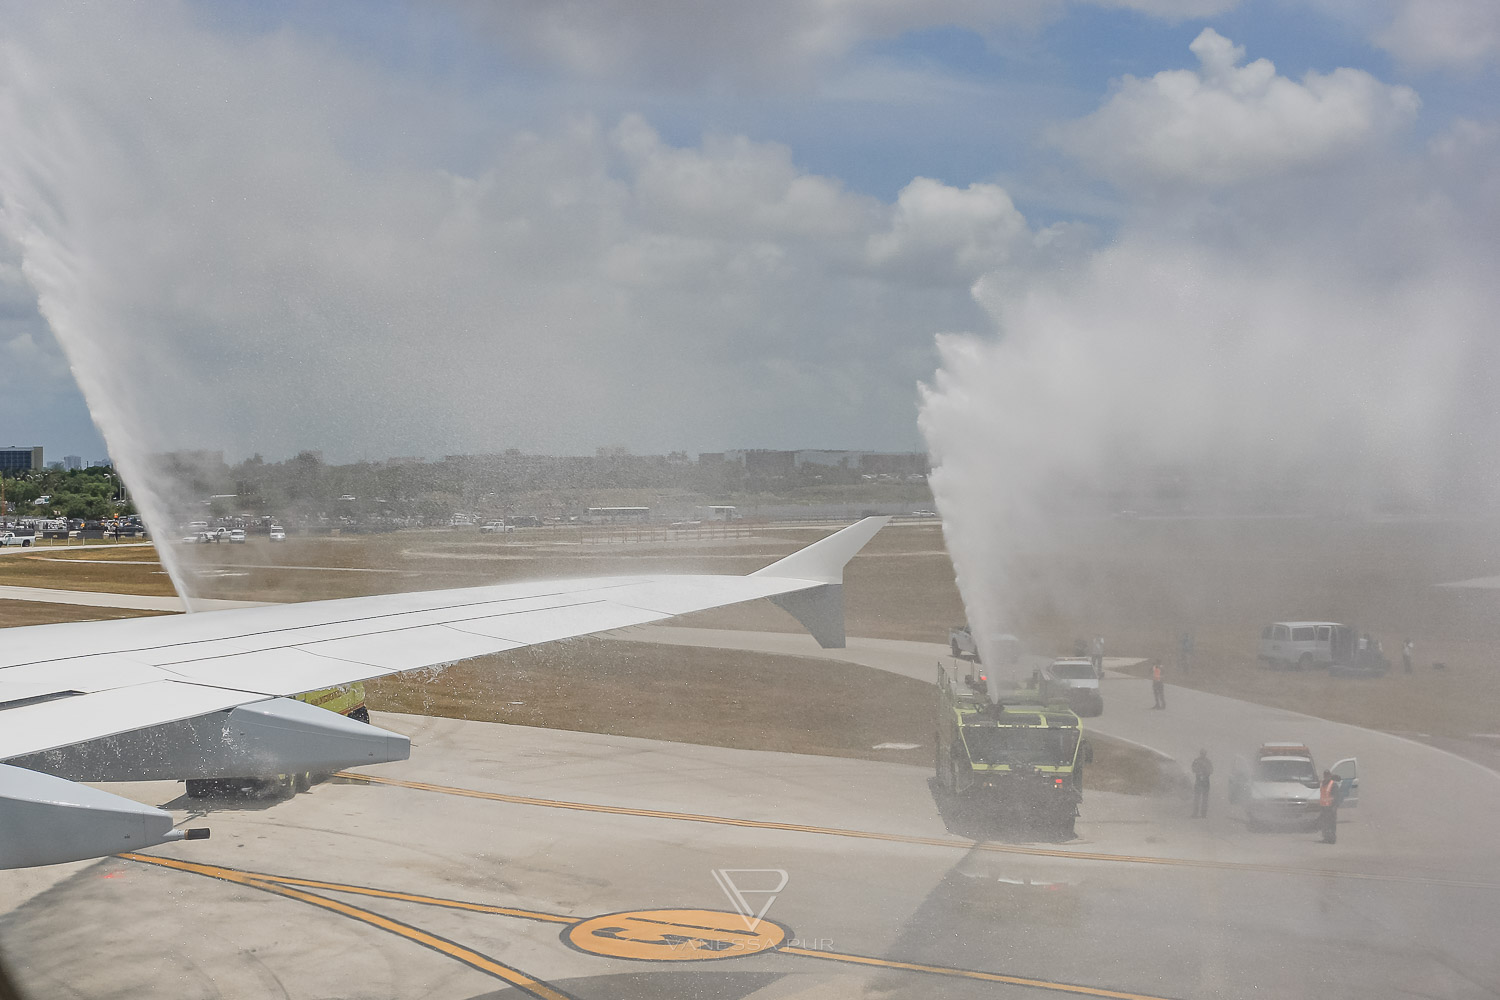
(899, 838)
(292, 887)
(527, 984)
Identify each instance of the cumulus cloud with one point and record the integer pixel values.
(1455, 34)
(1174, 10)
(942, 235)
(216, 222)
(777, 42)
(1226, 123)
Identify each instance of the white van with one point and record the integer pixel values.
(1302, 644)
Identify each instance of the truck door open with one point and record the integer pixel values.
(1347, 771)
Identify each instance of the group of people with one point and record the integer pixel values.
(1203, 768)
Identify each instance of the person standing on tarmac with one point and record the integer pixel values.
(1203, 769)
(1097, 655)
(1407, 649)
(1158, 686)
(1328, 799)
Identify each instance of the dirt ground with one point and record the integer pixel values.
(717, 697)
(13, 613)
(687, 695)
(100, 566)
(1139, 582)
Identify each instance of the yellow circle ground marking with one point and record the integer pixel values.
(675, 935)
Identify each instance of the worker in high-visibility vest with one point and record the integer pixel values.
(1328, 799)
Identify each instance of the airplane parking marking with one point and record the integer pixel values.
(899, 838)
(710, 922)
(673, 936)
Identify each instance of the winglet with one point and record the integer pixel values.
(821, 609)
(823, 561)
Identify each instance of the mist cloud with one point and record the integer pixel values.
(1323, 345)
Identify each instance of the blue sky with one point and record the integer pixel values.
(702, 229)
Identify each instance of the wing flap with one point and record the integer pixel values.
(65, 721)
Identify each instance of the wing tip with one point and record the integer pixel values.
(823, 561)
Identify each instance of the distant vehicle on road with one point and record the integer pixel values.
(11, 538)
(962, 643)
(278, 533)
(1304, 645)
(1072, 680)
(1281, 786)
(237, 536)
(495, 528)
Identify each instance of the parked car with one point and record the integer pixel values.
(1072, 679)
(237, 536)
(278, 533)
(1281, 786)
(495, 528)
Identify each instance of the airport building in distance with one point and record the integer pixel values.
(15, 459)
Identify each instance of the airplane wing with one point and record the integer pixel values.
(206, 694)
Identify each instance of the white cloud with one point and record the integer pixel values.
(776, 42)
(1458, 34)
(1173, 10)
(734, 185)
(943, 235)
(1227, 123)
(202, 210)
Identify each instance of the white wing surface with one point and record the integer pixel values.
(204, 696)
(62, 685)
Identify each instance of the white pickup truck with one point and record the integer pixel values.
(1280, 786)
(11, 538)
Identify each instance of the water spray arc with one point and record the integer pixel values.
(59, 271)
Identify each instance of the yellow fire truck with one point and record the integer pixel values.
(1017, 757)
(348, 700)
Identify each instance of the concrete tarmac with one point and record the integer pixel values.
(460, 874)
